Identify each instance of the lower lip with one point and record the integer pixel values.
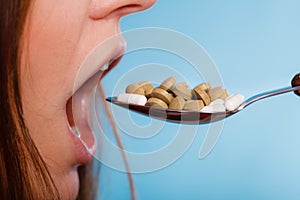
(83, 154)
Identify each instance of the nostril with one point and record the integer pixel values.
(100, 12)
(129, 9)
(100, 9)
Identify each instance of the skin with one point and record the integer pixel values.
(58, 37)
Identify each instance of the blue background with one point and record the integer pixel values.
(255, 45)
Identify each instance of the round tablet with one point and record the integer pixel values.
(168, 83)
(203, 86)
(156, 103)
(194, 105)
(162, 95)
(148, 88)
(202, 95)
(135, 88)
(177, 103)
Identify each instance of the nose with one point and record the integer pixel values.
(102, 8)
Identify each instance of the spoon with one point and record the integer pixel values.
(198, 117)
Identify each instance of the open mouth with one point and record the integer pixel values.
(78, 109)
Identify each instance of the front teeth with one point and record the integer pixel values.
(76, 131)
(104, 67)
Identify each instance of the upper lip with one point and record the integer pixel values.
(94, 62)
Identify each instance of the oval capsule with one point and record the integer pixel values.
(217, 102)
(132, 99)
(234, 101)
(217, 108)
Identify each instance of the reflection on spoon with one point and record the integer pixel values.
(198, 117)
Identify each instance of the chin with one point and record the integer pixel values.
(68, 185)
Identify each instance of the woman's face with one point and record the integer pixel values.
(58, 37)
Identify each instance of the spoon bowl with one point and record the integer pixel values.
(177, 116)
(198, 117)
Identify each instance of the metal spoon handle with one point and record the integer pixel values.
(267, 94)
(295, 87)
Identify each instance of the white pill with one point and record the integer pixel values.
(217, 102)
(229, 97)
(214, 108)
(234, 101)
(132, 99)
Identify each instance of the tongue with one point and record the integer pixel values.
(78, 112)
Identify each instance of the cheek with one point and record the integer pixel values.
(50, 40)
(60, 37)
(53, 33)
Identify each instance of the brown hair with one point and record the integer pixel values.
(24, 174)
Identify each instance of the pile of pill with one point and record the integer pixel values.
(170, 95)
